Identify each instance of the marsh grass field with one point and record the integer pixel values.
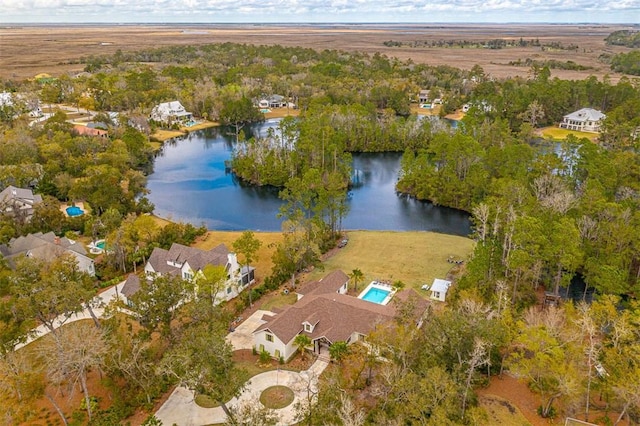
(27, 50)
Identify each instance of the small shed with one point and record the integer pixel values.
(439, 289)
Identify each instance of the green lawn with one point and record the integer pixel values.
(559, 134)
(414, 258)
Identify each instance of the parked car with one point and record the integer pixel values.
(343, 243)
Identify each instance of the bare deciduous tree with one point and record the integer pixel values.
(79, 348)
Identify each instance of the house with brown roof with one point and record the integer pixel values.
(327, 316)
(189, 262)
(47, 247)
(334, 282)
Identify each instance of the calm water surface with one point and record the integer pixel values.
(189, 183)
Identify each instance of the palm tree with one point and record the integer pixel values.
(356, 276)
(338, 351)
(302, 341)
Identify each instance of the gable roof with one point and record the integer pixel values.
(131, 285)
(24, 195)
(585, 114)
(47, 247)
(165, 261)
(173, 108)
(337, 316)
(331, 283)
(440, 285)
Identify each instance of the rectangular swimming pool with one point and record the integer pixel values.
(375, 295)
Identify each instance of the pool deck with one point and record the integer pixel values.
(79, 204)
(381, 286)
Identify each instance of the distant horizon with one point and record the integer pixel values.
(141, 12)
(291, 23)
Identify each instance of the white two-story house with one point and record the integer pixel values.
(583, 120)
(189, 263)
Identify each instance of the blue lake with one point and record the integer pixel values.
(189, 183)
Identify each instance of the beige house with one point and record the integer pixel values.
(326, 315)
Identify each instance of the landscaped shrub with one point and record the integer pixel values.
(265, 357)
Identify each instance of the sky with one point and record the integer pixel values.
(319, 11)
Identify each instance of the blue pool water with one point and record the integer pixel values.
(375, 295)
(74, 211)
(101, 245)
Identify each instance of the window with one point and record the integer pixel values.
(307, 327)
(187, 276)
(269, 337)
(436, 294)
(228, 290)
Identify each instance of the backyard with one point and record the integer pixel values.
(557, 134)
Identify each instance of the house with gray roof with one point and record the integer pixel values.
(583, 120)
(18, 202)
(189, 262)
(170, 113)
(47, 247)
(327, 316)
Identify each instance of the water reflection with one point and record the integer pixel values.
(189, 183)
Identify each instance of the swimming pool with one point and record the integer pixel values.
(375, 295)
(101, 244)
(74, 211)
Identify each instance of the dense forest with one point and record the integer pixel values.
(544, 213)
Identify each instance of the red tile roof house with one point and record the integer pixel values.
(327, 315)
(189, 263)
(81, 130)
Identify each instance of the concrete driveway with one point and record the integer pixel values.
(180, 408)
(242, 337)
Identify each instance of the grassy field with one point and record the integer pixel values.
(29, 50)
(263, 265)
(558, 134)
(414, 258)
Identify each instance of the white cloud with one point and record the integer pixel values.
(319, 10)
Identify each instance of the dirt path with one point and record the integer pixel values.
(518, 394)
